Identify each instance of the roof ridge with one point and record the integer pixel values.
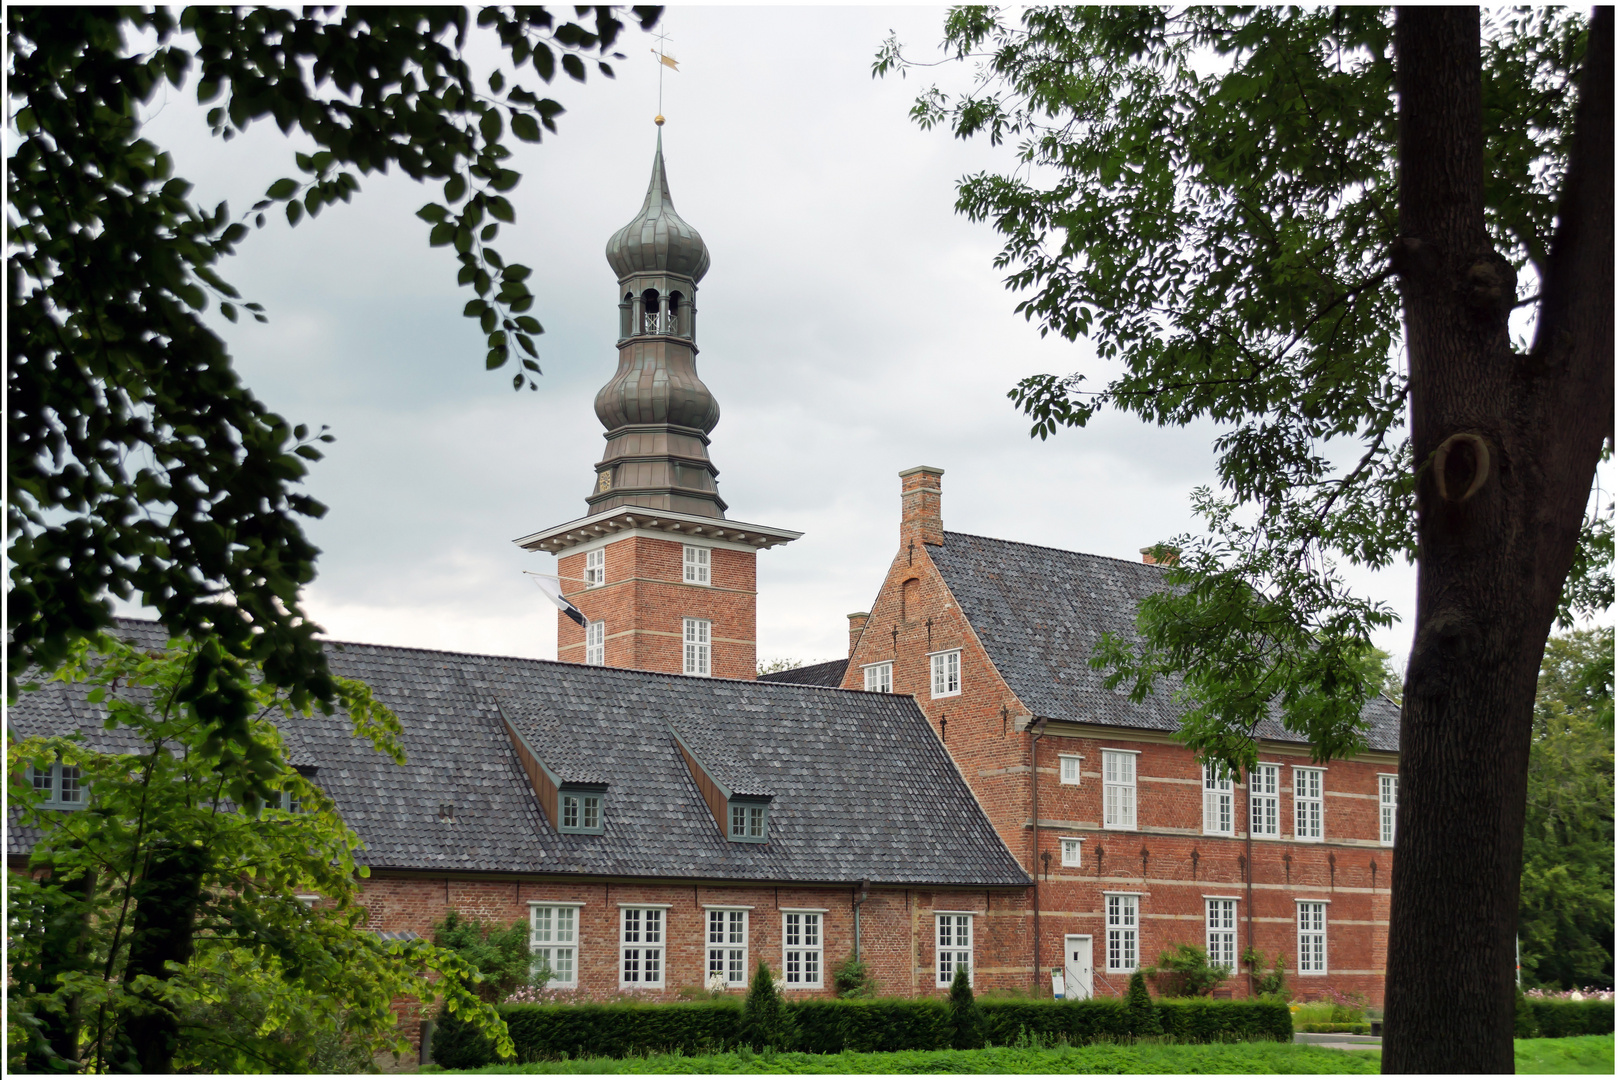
(534, 660)
(1048, 547)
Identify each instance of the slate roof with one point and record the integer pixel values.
(862, 786)
(829, 673)
(1039, 613)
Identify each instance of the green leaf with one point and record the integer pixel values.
(525, 127)
(281, 189)
(455, 188)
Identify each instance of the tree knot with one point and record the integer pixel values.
(1490, 286)
(1461, 465)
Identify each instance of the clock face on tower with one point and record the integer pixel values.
(604, 481)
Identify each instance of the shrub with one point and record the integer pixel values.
(1271, 985)
(851, 979)
(967, 1019)
(1144, 1018)
(764, 1020)
(872, 1025)
(459, 1045)
(1558, 1018)
(1524, 1018)
(546, 1032)
(501, 955)
(1185, 971)
(1339, 1028)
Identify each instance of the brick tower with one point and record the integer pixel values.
(664, 580)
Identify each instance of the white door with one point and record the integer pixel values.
(1076, 966)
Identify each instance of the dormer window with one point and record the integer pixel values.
(579, 811)
(58, 785)
(750, 821)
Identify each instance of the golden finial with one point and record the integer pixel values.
(659, 120)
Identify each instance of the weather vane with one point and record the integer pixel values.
(664, 61)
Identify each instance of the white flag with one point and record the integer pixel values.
(552, 587)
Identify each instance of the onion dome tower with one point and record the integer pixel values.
(661, 579)
(657, 412)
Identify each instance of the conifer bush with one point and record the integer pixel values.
(764, 1018)
(1144, 1018)
(967, 1019)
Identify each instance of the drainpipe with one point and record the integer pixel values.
(1248, 867)
(1037, 729)
(865, 884)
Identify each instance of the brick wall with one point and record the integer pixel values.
(644, 603)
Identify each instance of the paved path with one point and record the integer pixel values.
(1339, 1041)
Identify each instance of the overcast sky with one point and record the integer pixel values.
(852, 325)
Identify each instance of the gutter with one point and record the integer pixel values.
(1037, 729)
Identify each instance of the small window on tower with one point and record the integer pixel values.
(595, 568)
(696, 565)
(596, 643)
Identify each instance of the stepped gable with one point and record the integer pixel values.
(862, 787)
(830, 673)
(1040, 612)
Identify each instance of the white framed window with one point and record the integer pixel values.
(954, 938)
(728, 946)
(60, 786)
(286, 801)
(1263, 816)
(801, 950)
(596, 643)
(641, 946)
(879, 677)
(1217, 800)
(1073, 851)
(696, 635)
(1386, 808)
(1307, 804)
(595, 568)
(579, 812)
(945, 670)
(554, 940)
(1220, 931)
(1122, 915)
(695, 564)
(1069, 769)
(1312, 937)
(1119, 790)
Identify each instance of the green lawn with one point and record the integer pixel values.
(1583, 1054)
(1140, 1058)
(1578, 1054)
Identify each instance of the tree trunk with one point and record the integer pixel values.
(62, 952)
(163, 930)
(1505, 446)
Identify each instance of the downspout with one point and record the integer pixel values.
(1248, 869)
(865, 884)
(1037, 729)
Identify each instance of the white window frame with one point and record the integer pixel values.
(1265, 818)
(556, 939)
(647, 939)
(1220, 931)
(1312, 937)
(953, 945)
(1308, 809)
(1073, 849)
(1123, 920)
(56, 779)
(1219, 818)
(945, 673)
(1119, 789)
(596, 643)
(695, 564)
(804, 946)
(1388, 801)
(725, 937)
(698, 644)
(879, 677)
(1069, 769)
(596, 568)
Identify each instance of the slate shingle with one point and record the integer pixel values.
(1040, 612)
(829, 673)
(862, 786)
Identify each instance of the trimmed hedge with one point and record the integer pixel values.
(830, 1025)
(1556, 1019)
(1337, 1029)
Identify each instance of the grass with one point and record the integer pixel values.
(1592, 1054)
(1576, 1054)
(1098, 1058)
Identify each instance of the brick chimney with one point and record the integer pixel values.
(919, 506)
(857, 623)
(1170, 557)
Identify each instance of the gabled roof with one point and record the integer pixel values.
(1040, 612)
(828, 673)
(862, 786)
